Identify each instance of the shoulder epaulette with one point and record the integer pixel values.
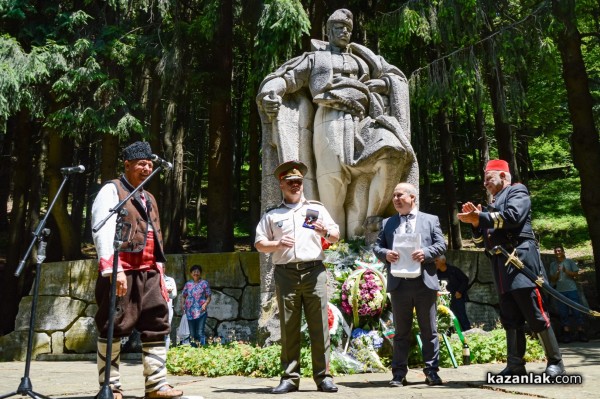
(271, 207)
(315, 202)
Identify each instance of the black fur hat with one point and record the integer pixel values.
(137, 150)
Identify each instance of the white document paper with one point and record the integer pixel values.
(405, 245)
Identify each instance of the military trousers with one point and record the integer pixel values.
(301, 287)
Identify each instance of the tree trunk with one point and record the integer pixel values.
(175, 181)
(523, 152)
(110, 154)
(13, 287)
(454, 236)
(254, 173)
(220, 164)
(154, 109)
(79, 185)
(168, 200)
(584, 140)
(60, 149)
(6, 171)
(424, 162)
(504, 139)
(316, 12)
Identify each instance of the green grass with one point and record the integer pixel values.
(557, 214)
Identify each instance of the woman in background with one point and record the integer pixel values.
(196, 296)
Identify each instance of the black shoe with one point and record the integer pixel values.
(284, 386)
(432, 378)
(327, 386)
(582, 337)
(513, 370)
(398, 382)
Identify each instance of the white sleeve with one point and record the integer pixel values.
(106, 199)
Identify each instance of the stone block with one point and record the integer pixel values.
(54, 279)
(58, 342)
(251, 303)
(465, 261)
(267, 282)
(53, 313)
(175, 267)
(91, 310)
(241, 330)
(268, 331)
(223, 307)
(83, 278)
(483, 315)
(14, 345)
(483, 293)
(219, 269)
(234, 292)
(82, 336)
(211, 327)
(250, 262)
(484, 269)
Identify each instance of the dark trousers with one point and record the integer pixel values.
(143, 307)
(564, 309)
(523, 304)
(457, 306)
(415, 294)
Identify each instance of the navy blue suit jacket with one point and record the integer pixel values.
(432, 243)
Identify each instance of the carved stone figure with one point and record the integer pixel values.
(343, 111)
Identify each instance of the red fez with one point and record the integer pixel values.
(497, 164)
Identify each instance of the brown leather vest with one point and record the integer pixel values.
(138, 218)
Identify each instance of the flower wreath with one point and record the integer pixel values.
(364, 294)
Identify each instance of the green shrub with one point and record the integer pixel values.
(243, 359)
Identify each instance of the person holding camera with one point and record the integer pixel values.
(291, 233)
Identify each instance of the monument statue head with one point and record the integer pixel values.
(339, 28)
(342, 15)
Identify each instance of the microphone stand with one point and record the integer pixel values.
(120, 232)
(40, 235)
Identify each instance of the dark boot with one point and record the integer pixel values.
(555, 365)
(515, 347)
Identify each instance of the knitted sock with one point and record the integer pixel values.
(154, 358)
(115, 376)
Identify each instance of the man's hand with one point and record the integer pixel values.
(418, 255)
(392, 256)
(470, 214)
(319, 228)
(121, 283)
(286, 242)
(457, 295)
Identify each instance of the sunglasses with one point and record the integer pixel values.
(293, 182)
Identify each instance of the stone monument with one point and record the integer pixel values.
(343, 111)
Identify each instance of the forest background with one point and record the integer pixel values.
(79, 79)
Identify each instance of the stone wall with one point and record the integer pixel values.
(66, 305)
(242, 300)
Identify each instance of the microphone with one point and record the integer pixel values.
(72, 169)
(165, 164)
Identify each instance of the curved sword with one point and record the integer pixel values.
(539, 280)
